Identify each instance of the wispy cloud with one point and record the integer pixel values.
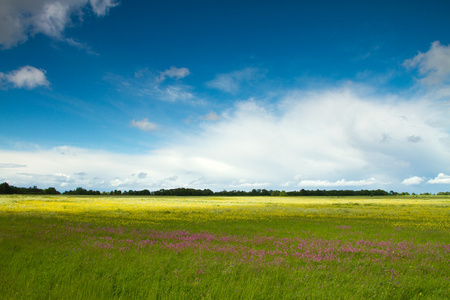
(232, 82)
(144, 125)
(20, 20)
(25, 77)
(174, 93)
(80, 45)
(158, 85)
(211, 116)
(11, 165)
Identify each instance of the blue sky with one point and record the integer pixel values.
(109, 94)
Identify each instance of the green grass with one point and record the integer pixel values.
(106, 254)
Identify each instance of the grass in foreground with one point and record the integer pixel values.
(209, 247)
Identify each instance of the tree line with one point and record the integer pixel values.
(5, 188)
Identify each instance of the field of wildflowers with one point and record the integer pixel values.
(75, 247)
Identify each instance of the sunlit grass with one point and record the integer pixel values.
(67, 247)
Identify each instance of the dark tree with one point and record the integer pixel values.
(51, 191)
(5, 188)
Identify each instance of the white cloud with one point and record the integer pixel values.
(20, 19)
(242, 184)
(59, 178)
(338, 183)
(440, 179)
(174, 72)
(326, 136)
(324, 139)
(144, 125)
(415, 180)
(25, 77)
(232, 82)
(433, 65)
(53, 19)
(102, 7)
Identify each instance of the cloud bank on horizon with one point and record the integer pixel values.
(239, 129)
(352, 140)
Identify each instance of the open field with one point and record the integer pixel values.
(75, 247)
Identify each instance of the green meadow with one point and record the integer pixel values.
(106, 247)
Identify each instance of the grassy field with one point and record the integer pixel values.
(74, 247)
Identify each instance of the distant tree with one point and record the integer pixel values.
(51, 191)
(31, 191)
(265, 192)
(81, 191)
(5, 188)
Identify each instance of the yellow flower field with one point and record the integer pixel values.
(426, 212)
